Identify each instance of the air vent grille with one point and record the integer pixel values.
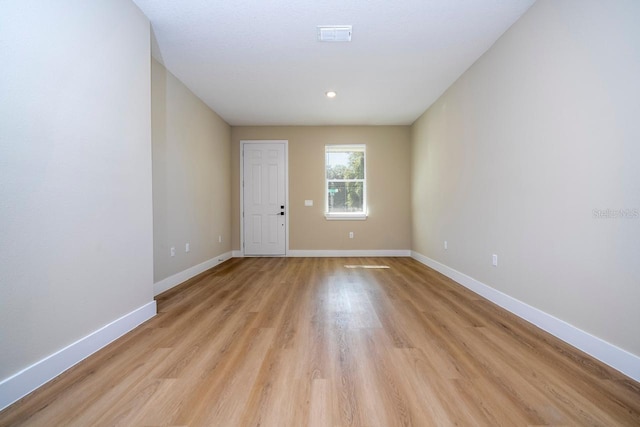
(334, 33)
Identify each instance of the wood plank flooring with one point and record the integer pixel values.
(308, 342)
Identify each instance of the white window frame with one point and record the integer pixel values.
(345, 215)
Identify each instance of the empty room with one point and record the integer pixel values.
(338, 213)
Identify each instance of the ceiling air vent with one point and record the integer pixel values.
(334, 33)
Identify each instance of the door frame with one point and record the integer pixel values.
(286, 188)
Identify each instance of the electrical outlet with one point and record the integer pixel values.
(494, 260)
(446, 246)
(172, 251)
(187, 248)
(351, 234)
(220, 239)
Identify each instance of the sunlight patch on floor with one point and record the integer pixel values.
(367, 266)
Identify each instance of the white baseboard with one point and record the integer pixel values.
(350, 253)
(36, 375)
(617, 358)
(176, 279)
(237, 254)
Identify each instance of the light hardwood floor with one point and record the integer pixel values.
(308, 342)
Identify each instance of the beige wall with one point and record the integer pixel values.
(517, 154)
(75, 173)
(191, 177)
(388, 148)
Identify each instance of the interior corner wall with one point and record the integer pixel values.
(75, 173)
(191, 179)
(388, 226)
(533, 155)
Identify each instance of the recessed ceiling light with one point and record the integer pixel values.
(331, 94)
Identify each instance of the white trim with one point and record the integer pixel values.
(171, 281)
(237, 254)
(286, 187)
(350, 253)
(36, 375)
(617, 358)
(336, 216)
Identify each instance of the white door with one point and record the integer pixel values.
(264, 198)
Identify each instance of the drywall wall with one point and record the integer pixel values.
(76, 249)
(533, 155)
(388, 198)
(191, 177)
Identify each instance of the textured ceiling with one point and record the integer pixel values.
(258, 62)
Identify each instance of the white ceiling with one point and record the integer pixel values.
(258, 62)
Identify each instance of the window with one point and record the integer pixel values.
(346, 184)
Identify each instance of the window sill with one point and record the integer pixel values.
(345, 216)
